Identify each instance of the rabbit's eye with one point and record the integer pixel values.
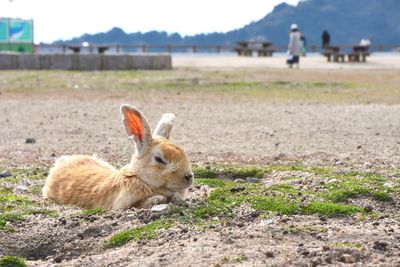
(160, 160)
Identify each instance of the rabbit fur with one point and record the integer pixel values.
(158, 171)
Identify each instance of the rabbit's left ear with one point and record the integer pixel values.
(164, 126)
(136, 127)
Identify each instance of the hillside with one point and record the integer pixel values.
(347, 21)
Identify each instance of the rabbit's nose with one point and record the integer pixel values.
(189, 177)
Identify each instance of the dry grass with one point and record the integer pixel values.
(343, 86)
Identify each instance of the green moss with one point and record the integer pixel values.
(331, 209)
(347, 245)
(95, 211)
(12, 261)
(36, 190)
(36, 210)
(14, 208)
(345, 190)
(220, 201)
(276, 204)
(204, 171)
(11, 217)
(147, 231)
(211, 182)
(244, 171)
(240, 258)
(9, 201)
(33, 173)
(285, 188)
(355, 184)
(381, 196)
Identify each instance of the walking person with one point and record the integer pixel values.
(294, 48)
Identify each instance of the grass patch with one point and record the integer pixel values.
(10, 201)
(381, 196)
(15, 207)
(34, 173)
(148, 231)
(240, 259)
(95, 211)
(12, 261)
(285, 198)
(235, 172)
(355, 184)
(276, 204)
(307, 85)
(331, 209)
(9, 217)
(357, 246)
(36, 190)
(210, 182)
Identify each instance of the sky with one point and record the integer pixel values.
(65, 19)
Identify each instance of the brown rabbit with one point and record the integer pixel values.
(158, 171)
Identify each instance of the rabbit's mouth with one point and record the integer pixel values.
(175, 187)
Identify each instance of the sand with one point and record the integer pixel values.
(375, 61)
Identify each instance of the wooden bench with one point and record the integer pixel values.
(332, 53)
(263, 49)
(102, 49)
(75, 49)
(359, 54)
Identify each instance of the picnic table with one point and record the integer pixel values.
(359, 53)
(102, 49)
(77, 49)
(332, 53)
(263, 49)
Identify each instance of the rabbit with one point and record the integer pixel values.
(159, 171)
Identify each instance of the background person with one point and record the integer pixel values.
(294, 46)
(326, 38)
(303, 44)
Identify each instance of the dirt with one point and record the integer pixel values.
(213, 129)
(249, 238)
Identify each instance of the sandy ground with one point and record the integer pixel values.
(375, 61)
(212, 129)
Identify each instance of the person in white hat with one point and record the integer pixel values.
(294, 48)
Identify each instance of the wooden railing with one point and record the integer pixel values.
(171, 48)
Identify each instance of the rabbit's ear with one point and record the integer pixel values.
(164, 126)
(137, 127)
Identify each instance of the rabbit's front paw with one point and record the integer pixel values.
(155, 200)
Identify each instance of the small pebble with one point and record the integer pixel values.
(269, 254)
(379, 245)
(58, 259)
(30, 140)
(160, 208)
(368, 208)
(347, 258)
(5, 174)
(252, 180)
(331, 181)
(237, 189)
(266, 222)
(240, 224)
